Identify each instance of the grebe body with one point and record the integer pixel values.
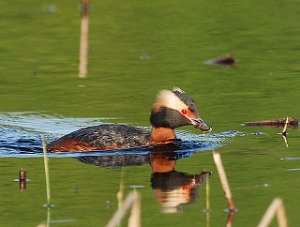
(172, 109)
(101, 137)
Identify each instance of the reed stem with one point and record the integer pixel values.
(283, 133)
(132, 200)
(223, 179)
(83, 56)
(275, 208)
(46, 170)
(135, 216)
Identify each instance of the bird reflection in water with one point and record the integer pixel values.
(173, 189)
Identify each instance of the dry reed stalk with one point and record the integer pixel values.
(83, 58)
(46, 171)
(276, 208)
(22, 180)
(133, 201)
(224, 181)
(135, 215)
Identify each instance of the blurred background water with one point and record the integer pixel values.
(135, 50)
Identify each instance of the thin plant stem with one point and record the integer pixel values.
(46, 170)
(48, 217)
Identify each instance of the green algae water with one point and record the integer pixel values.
(136, 49)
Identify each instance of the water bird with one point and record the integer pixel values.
(172, 108)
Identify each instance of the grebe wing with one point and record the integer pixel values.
(101, 137)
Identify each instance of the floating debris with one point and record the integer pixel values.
(290, 122)
(227, 60)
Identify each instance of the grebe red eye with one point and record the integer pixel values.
(184, 111)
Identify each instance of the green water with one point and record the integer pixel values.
(39, 68)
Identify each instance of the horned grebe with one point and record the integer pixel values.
(172, 109)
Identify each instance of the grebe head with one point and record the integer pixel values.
(175, 108)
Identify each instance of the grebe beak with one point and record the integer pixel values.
(200, 124)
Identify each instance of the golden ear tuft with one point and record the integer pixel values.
(170, 99)
(177, 89)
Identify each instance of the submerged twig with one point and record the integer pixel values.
(276, 208)
(224, 181)
(46, 171)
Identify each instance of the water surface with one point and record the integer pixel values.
(135, 50)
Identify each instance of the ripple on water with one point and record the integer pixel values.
(20, 136)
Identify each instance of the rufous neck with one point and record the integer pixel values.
(161, 164)
(162, 135)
